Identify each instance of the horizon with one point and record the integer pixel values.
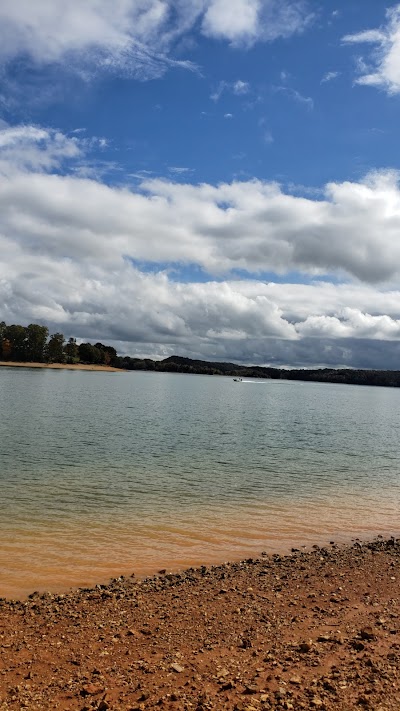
(211, 180)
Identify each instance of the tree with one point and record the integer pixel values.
(109, 353)
(17, 336)
(71, 351)
(90, 354)
(36, 342)
(55, 349)
(2, 336)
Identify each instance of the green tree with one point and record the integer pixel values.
(71, 351)
(17, 336)
(109, 353)
(2, 337)
(90, 354)
(55, 349)
(36, 342)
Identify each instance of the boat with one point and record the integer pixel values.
(237, 380)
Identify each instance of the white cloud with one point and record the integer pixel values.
(329, 76)
(178, 170)
(238, 87)
(72, 249)
(228, 116)
(34, 148)
(241, 87)
(127, 35)
(255, 225)
(245, 22)
(135, 36)
(382, 68)
(306, 101)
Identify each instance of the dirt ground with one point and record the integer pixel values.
(310, 630)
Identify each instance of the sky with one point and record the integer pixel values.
(217, 179)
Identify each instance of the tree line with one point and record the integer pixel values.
(34, 344)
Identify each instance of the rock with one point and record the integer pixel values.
(357, 645)
(250, 689)
(367, 633)
(305, 647)
(177, 668)
(295, 680)
(92, 689)
(132, 633)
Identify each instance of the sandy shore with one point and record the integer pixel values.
(311, 630)
(58, 366)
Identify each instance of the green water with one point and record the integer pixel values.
(107, 472)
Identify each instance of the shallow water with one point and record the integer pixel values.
(109, 473)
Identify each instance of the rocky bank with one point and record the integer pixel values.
(310, 630)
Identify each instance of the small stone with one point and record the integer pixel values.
(367, 633)
(146, 632)
(144, 696)
(250, 689)
(91, 689)
(305, 647)
(358, 646)
(295, 680)
(177, 668)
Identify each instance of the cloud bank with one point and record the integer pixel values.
(105, 262)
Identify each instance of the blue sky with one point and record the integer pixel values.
(217, 179)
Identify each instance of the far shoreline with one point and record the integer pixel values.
(61, 366)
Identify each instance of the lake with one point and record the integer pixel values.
(103, 474)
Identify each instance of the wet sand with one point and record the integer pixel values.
(60, 366)
(309, 630)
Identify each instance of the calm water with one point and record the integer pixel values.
(110, 473)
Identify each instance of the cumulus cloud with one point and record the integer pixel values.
(254, 226)
(382, 67)
(34, 148)
(245, 22)
(135, 36)
(76, 255)
(247, 321)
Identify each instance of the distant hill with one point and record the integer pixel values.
(179, 364)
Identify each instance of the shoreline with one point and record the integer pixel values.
(62, 366)
(316, 629)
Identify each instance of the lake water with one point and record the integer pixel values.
(103, 474)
